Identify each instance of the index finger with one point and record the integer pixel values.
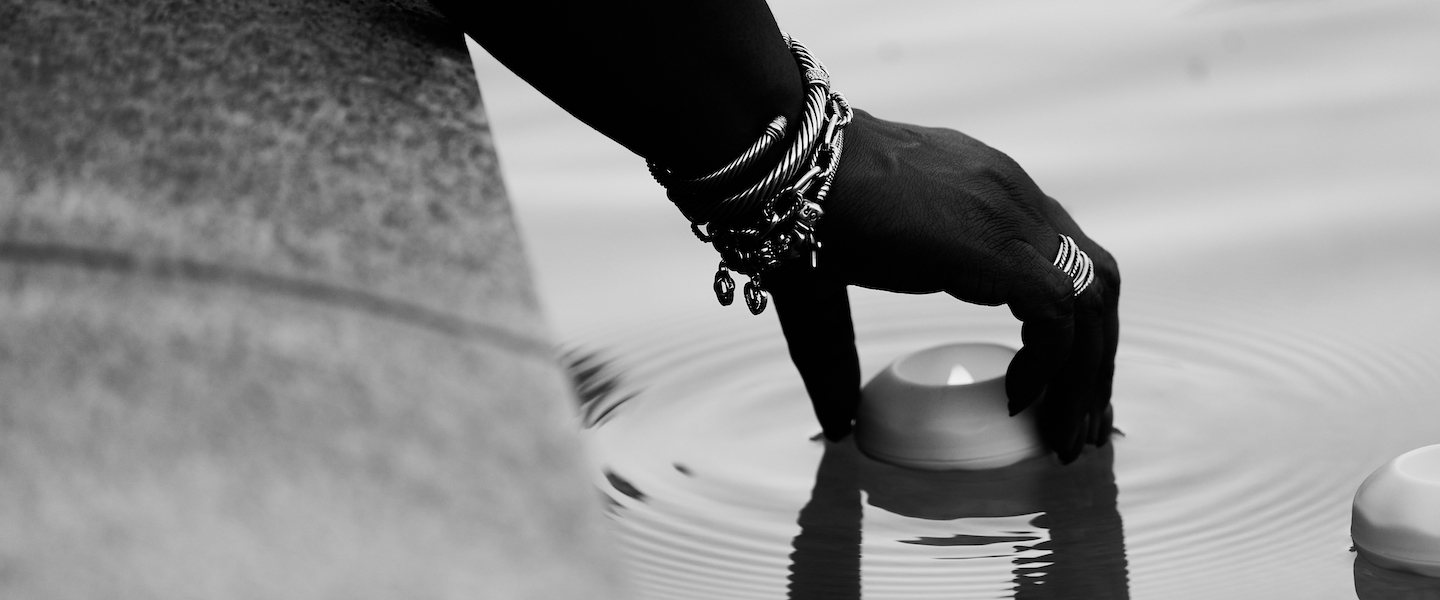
(814, 311)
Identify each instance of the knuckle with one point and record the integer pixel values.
(1093, 304)
(1058, 306)
(1109, 272)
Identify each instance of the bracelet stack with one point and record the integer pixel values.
(761, 209)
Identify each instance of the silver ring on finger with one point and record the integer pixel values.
(1075, 263)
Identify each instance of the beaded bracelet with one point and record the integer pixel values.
(772, 219)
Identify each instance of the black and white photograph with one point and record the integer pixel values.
(720, 300)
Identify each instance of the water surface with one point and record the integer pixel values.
(1267, 175)
(1244, 442)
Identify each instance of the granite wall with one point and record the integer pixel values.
(266, 330)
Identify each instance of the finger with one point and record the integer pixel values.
(1043, 300)
(1106, 376)
(814, 311)
(1103, 427)
(1065, 417)
(1109, 276)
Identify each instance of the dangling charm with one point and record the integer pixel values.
(755, 296)
(724, 286)
(810, 212)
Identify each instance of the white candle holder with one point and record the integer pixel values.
(1395, 521)
(944, 408)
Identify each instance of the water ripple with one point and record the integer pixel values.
(1245, 441)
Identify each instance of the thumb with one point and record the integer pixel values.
(814, 311)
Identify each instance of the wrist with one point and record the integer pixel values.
(734, 106)
(758, 215)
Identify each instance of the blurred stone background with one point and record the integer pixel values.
(266, 330)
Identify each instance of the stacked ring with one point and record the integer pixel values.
(1075, 263)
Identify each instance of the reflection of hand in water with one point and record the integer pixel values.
(826, 560)
(1084, 555)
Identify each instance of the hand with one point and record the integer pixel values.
(920, 210)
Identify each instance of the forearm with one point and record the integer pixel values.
(688, 85)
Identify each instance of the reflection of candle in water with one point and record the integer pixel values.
(1034, 530)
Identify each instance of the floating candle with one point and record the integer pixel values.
(945, 408)
(1395, 521)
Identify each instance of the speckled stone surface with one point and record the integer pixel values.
(266, 329)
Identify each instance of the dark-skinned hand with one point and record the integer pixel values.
(921, 210)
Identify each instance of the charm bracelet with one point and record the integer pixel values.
(772, 219)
